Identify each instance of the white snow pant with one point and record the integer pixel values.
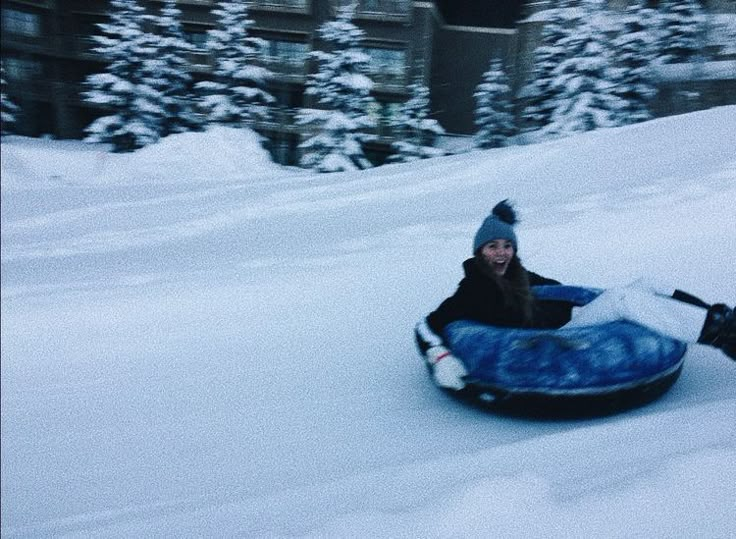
(659, 313)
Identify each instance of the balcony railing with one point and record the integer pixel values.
(63, 46)
(382, 9)
(390, 80)
(285, 66)
(387, 7)
(301, 6)
(199, 61)
(38, 3)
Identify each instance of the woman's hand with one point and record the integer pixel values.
(447, 370)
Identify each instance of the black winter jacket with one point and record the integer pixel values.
(478, 297)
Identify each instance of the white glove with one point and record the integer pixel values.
(447, 370)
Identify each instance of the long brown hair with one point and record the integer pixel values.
(514, 286)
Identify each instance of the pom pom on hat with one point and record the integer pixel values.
(505, 211)
(498, 225)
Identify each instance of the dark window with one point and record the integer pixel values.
(21, 22)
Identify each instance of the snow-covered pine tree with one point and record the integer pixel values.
(135, 105)
(681, 31)
(494, 115)
(9, 109)
(341, 88)
(538, 97)
(168, 71)
(582, 82)
(237, 95)
(415, 131)
(635, 50)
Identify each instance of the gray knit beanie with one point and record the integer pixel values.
(498, 225)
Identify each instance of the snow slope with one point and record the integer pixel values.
(193, 346)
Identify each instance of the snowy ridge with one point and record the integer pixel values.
(232, 355)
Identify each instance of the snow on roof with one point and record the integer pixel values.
(547, 15)
(720, 70)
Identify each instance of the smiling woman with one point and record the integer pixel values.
(495, 242)
(497, 288)
(497, 255)
(498, 291)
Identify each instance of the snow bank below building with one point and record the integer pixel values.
(217, 155)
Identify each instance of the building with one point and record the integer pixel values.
(47, 54)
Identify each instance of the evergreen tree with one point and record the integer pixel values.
(414, 128)
(341, 89)
(634, 48)
(494, 108)
(586, 96)
(682, 30)
(538, 96)
(237, 94)
(167, 71)
(135, 105)
(9, 109)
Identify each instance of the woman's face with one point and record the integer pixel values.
(497, 255)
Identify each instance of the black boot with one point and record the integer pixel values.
(719, 329)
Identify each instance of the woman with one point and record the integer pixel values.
(496, 290)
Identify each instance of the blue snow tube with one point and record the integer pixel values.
(581, 371)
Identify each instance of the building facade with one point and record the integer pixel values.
(47, 54)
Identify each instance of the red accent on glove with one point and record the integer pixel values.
(441, 357)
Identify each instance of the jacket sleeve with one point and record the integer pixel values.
(426, 338)
(429, 331)
(463, 304)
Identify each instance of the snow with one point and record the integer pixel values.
(690, 71)
(178, 159)
(212, 349)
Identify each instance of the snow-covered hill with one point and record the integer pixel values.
(196, 342)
